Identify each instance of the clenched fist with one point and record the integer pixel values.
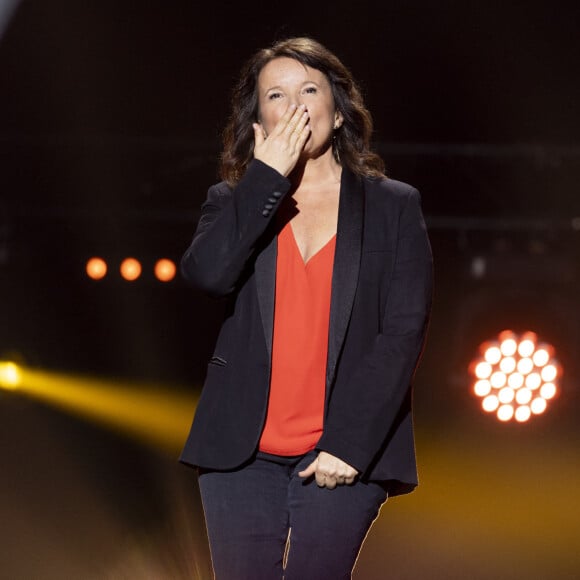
(330, 471)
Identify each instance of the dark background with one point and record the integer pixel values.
(110, 120)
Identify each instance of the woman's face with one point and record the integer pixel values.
(285, 81)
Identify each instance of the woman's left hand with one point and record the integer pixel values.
(330, 471)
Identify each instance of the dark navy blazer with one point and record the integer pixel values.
(380, 303)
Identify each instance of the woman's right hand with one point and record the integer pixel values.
(281, 149)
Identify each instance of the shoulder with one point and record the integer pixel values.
(217, 196)
(220, 188)
(389, 191)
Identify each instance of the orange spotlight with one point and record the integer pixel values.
(523, 396)
(490, 403)
(96, 268)
(507, 364)
(508, 344)
(505, 413)
(525, 366)
(483, 370)
(538, 405)
(165, 270)
(542, 355)
(482, 388)
(522, 414)
(492, 354)
(515, 376)
(516, 380)
(130, 269)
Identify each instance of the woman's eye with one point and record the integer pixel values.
(310, 90)
(273, 96)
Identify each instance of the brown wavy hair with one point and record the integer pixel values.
(351, 142)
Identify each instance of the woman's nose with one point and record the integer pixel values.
(297, 102)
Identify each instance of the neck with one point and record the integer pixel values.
(316, 170)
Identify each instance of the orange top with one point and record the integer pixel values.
(300, 346)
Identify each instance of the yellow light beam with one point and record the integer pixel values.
(154, 413)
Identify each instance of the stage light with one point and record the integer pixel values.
(523, 396)
(96, 268)
(165, 270)
(505, 413)
(548, 391)
(549, 373)
(508, 346)
(522, 413)
(482, 388)
(498, 380)
(130, 269)
(533, 381)
(526, 348)
(525, 366)
(506, 395)
(10, 376)
(507, 365)
(538, 405)
(515, 376)
(490, 403)
(515, 380)
(493, 354)
(483, 370)
(541, 356)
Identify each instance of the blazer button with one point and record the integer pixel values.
(272, 200)
(265, 213)
(277, 193)
(268, 206)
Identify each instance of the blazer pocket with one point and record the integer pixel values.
(218, 361)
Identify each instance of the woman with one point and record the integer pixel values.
(304, 424)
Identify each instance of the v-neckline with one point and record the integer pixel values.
(297, 247)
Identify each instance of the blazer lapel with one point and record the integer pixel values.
(346, 266)
(344, 275)
(265, 274)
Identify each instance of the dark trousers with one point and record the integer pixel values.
(266, 523)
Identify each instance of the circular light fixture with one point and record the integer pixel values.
(515, 376)
(96, 268)
(130, 269)
(165, 270)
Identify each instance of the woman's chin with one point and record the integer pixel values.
(311, 151)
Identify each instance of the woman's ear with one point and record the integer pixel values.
(338, 120)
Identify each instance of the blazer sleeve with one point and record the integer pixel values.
(363, 408)
(230, 226)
